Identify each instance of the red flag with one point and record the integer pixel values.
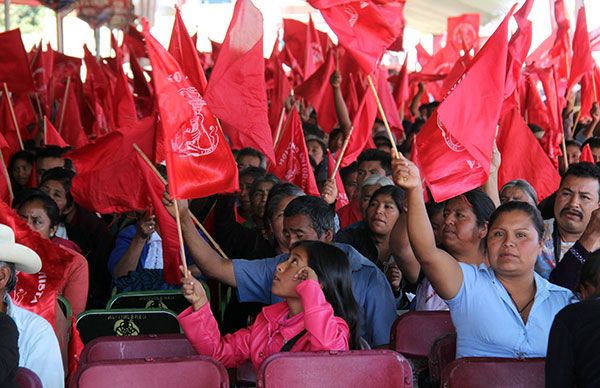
(14, 67)
(423, 57)
(107, 179)
(135, 41)
(314, 55)
(560, 52)
(167, 226)
(401, 88)
(532, 107)
(589, 93)
(586, 154)
(124, 105)
(301, 42)
(71, 129)
(281, 90)
(37, 292)
(523, 157)
(291, 157)
(342, 198)
(199, 160)
(518, 47)
(387, 102)
(51, 135)
(184, 51)
(452, 158)
(7, 125)
(463, 32)
(584, 62)
(366, 28)
(316, 90)
(98, 92)
(552, 140)
(41, 72)
(5, 179)
(362, 124)
(236, 92)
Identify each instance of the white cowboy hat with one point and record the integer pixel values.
(24, 258)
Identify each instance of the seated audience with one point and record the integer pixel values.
(304, 218)
(38, 345)
(492, 304)
(318, 313)
(42, 215)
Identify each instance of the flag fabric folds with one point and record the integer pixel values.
(199, 160)
(236, 92)
(455, 144)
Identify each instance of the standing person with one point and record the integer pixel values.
(500, 309)
(319, 312)
(38, 346)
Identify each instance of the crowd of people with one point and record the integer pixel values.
(318, 279)
(518, 272)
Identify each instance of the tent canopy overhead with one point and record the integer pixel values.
(431, 15)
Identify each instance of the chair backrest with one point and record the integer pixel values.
(359, 368)
(413, 333)
(189, 372)
(442, 353)
(26, 378)
(125, 322)
(167, 300)
(471, 372)
(143, 346)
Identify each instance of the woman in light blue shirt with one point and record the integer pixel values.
(500, 309)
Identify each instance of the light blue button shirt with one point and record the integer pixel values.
(38, 346)
(488, 323)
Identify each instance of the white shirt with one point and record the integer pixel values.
(38, 346)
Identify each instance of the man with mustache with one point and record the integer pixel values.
(574, 233)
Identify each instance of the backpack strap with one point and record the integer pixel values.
(290, 344)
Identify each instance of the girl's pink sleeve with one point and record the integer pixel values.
(328, 332)
(201, 329)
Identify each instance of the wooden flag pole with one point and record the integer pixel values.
(287, 121)
(45, 129)
(13, 116)
(341, 155)
(382, 113)
(180, 235)
(279, 125)
(594, 86)
(7, 177)
(64, 106)
(194, 219)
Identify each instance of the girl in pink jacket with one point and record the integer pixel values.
(319, 311)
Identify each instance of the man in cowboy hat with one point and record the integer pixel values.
(38, 346)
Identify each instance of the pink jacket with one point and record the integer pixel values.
(270, 331)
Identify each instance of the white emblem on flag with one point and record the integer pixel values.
(197, 138)
(464, 32)
(453, 144)
(352, 15)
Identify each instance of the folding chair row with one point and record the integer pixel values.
(126, 322)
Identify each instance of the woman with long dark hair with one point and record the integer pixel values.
(319, 311)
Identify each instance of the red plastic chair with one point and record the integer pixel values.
(360, 368)
(414, 332)
(442, 353)
(143, 346)
(26, 378)
(488, 372)
(189, 372)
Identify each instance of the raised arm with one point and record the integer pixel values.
(416, 101)
(441, 269)
(341, 110)
(403, 253)
(204, 256)
(490, 187)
